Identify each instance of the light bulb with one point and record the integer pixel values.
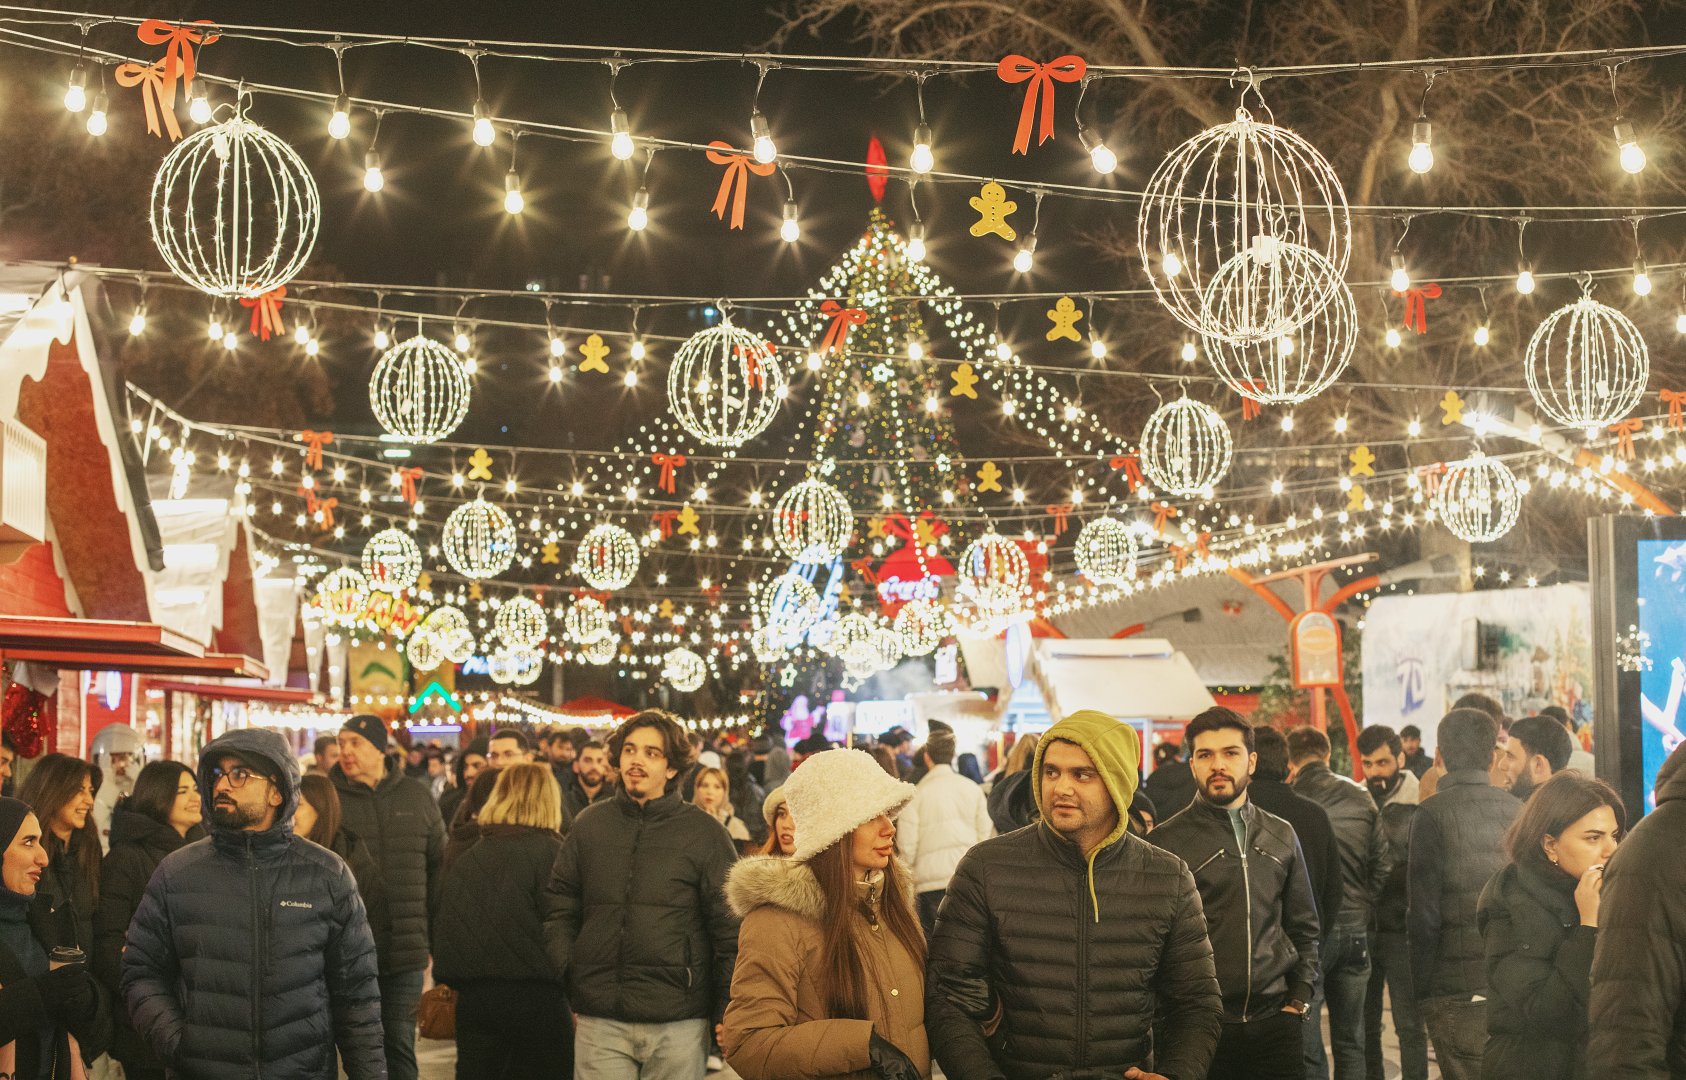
(1414, 428)
(1641, 279)
(630, 379)
(1189, 352)
(137, 322)
(1288, 422)
(215, 328)
(1680, 323)
(1003, 351)
(815, 361)
(620, 135)
(789, 230)
(1400, 279)
(1097, 349)
(312, 347)
(555, 373)
(1421, 159)
(922, 160)
(229, 340)
(301, 333)
(1103, 159)
(484, 133)
(1525, 280)
(557, 346)
(373, 178)
(637, 351)
(513, 201)
(1632, 156)
(382, 338)
(1171, 264)
(765, 152)
(1482, 335)
(1025, 257)
(639, 216)
(97, 124)
(339, 124)
(462, 342)
(1394, 339)
(916, 241)
(915, 350)
(471, 364)
(76, 94)
(1285, 345)
(199, 106)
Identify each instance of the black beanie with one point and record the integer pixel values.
(370, 727)
(12, 813)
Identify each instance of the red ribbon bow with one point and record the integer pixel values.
(178, 61)
(1179, 553)
(1416, 307)
(1431, 475)
(1250, 406)
(837, 334)
(408, 477)
(668, 463)
(155, 94)
(863, 567)
(1163, 512)
(1060, 512)
(266, 312)
(314, 441)
(664, 518)
(1017, 69)
(1624, 431)
(753, 375)
(315, 506)
(1674, 399)
(738, 166)
(1203, 545)
(1132, 466)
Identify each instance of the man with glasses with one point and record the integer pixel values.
(636, 916)
(250, 953)
(508, 747)
(396, 816)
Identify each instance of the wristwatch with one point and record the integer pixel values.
(1295, 1005)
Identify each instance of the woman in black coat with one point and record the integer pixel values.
(488, 937)
(463, 831)
(159, 816)
(318, 820)
(1539, 919)
(60, 789)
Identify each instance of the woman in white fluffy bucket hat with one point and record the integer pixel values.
(830, 979)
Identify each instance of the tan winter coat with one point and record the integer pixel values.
(777, 1026)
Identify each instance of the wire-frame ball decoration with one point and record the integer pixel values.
(1479, 499)
(479, 540)
(342, 596)
(424, 651)
(765, 646)
(787, 605)
(521, 623)
(725, 385)
(515, 665)
(812, 522)
(1299, 363)
(851, 636)
(586, 621)
(607, 557)
(450, 629)
(1106, 551)
(684, 670)
(391, 561)
(1587, 365)
(234, 210)
(1230, 200)
(994, 575)
(601, 651)
(922, 625)
(1186, 447)
(419, 390)
(886, 646)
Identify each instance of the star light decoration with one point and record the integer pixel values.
(391, 561)
(1479, 498)
(725, 385)
(1186, 447)
(1587, 365)
(684, 670)
(607, 557)
(479, 539)
(419, 390)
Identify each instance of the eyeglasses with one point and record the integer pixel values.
(237, 776)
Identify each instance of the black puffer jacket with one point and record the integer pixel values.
(491, 910)
(1260, 914)
(1358, 834)
(1317, 841)
(575, 800)
(1539, 966)
(1083, 997)
(138, 845)
(400, 823)
(250, 954)
(1637, 1011)
(1457, 845)
(636, 912)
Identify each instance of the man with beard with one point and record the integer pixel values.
(1538, 747)
(1381, 754)
(1258, 902)
(588, 781)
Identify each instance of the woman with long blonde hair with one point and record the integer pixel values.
(713, 793)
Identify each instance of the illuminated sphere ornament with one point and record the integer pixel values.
(1587, 365)
(234, 210)
(419, 390)
(1186, 447)
(812, 522)
(607, 557)
(602, 650)
(767, 648)
(391, 561)
(342, 596)
(886, 646)
(479, 540)
(449, 628)
(725, 385)
(587, 621)
(922, 625)
(1106, 551)
(514, 665)
(1228, 202)
(1479, 499)
(852, 637)
(788, 605)
(424, 652)
(1299, 363)
(995, 575)
(684, 670)
(521, 623)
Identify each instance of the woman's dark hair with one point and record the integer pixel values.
(478, 793)
(55, 780)
(967, 765)
(675, 742)
(886, 759)
(155, 791)
(842, 939)
(318, 791)
(1554, 806)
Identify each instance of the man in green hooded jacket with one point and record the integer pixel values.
(1070, 948)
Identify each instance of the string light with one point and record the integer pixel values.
(484, 133)
(1631, 154)
(373, 178)
(97, 122)
(916, 241)
(513, 201)
(639, 216)
(760, 132)
(76, 93)
(922, 160)
(339, 123)
(1421, 158)
(137, 322)
(1025, 257)
(199, 105)
(1400, 279)
(790, 230)
(1641, 279)
(1102, 158)
(1482, 335)
(620, 135)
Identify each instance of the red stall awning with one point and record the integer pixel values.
(104, 645)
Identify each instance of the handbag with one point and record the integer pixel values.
(436, 1014)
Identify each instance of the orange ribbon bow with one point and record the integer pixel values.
(178, 62)
(753, 374)
(314, 441)
(1250, 406)
(155, 94)
(1416, 306)
(1017, 69)
(1431, 475)
(266, 312)
(1624, 431)
(1059, 511)
(315, 506)
(1203, 545)
(664, 518)
(1132, 466)
(408, 478)
(863, 567)
(837, 334)
(668, 463)
(738, 166)
(1674, 399)
(1179, 554)
(1163, 512)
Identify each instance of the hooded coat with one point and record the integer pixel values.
(779, 1024)
(1095, 963)
(1539, 961)
(250, 954)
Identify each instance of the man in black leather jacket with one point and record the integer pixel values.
(1257, 897)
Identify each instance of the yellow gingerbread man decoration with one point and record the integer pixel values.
(480, 465)
(1065, 317)
(966, 382)
(688, 521)
(594, 352)
(989, 477)
(552, 553)
(993, 206)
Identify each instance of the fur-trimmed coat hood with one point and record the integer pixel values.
(763, 880)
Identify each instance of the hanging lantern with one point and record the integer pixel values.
(391, 561)
(234, 210)
(725, 385)
(587, 621)
(995, 576)
(851, 636)
(812, 522)
(1587, 365)
(448, 626)
(607, 557)
(342, 597)
(521, 623)
(419, 390)
(1299, 363)
(921, 625)
(424, 652)
(601, 651)
(1479, 499)
(1186, 447)
(684, 670)
(1106, 551)
(479, 540)
(788, 604)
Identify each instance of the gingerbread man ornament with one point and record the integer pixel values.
(993, 206)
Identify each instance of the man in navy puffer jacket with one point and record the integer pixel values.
(251, 954)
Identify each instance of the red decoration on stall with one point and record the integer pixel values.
(26, 715)
(1017, 69)
(738, 168)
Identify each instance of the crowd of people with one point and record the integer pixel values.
(653, 905)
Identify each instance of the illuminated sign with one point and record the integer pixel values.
(380, 611)
(435, 691)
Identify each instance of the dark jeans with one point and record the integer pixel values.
(1458, 1028)
(400, 994)
(1390, 964)
(1346, 976)
(928, 902)
(1267, 1049)
(513, 1030)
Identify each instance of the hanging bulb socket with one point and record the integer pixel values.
(199, 105)
(339, 124)
(916, 241)
(1421, 159)
(1641, 278)
(639, 216)
(484, 133)
(790, 230)
(1104, 160)
(1400, 279)
(1025, 257)
(97, 121)
(762, 134)
(76, 93)
(620, 135)
(373, 178)
(1627, 144)
(513, 201)
(922, 160)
